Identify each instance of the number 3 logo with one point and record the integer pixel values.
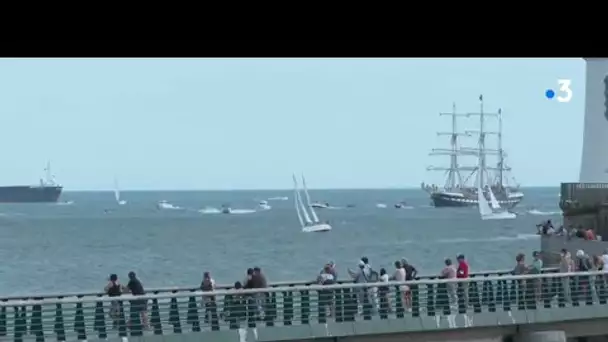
(564, 88)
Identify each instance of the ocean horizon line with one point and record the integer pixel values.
(276, 189)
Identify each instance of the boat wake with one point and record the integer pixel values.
(210, 210)
(164, 205)
(241, 211)
(65, 203)
(279, 198)
(380, 205)
(517, 237)
(543, 213)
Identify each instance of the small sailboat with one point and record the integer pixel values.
(117, 193)
(308, 225)
(486, 211)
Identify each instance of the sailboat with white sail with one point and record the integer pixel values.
(117, 193)
(308, 225)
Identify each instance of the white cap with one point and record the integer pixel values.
(580, 253)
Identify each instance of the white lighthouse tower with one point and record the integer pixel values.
(594, 161)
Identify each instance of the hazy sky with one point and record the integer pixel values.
(250, 123)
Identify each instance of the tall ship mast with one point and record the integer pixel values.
(459, 191)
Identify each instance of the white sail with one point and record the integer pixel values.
(308, 204)
(304, 212)
(484, 207)
(117, 193)
(295, 199)
(493, 201)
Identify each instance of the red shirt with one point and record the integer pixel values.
(463, 270)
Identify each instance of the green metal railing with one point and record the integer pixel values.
(176, 313)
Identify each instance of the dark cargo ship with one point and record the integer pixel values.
(46, 192)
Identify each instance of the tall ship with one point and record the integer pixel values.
(462, 181)
(47, 191)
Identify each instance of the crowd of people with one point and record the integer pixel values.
(364, 273)
(547, 228)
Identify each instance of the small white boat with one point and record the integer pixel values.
(264, 205)
(308, 225)
(117, 193)
(163, 204)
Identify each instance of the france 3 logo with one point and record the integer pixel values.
(564, 92)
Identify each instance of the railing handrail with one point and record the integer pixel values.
(226, 286)
(29, 302)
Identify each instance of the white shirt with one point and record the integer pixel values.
(605, 260)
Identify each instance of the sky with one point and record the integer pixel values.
(161, 124)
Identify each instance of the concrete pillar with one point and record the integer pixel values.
(541, 336)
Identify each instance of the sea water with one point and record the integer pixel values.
(76, 244)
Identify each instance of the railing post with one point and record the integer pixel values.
(588, 289)
(350, 305)
(59, 328)
(122, 321)
(287, 307)
(489, 294)
(383, 299)
(462, 306)
(36, 322)
(215, 322)
(174, 318)
(546, 292)
(192, 316)
(474, 297)
(136, 306)
(3, 320)
(99, 324)
(601, 288)
(400, 305)
(270, 309)
(575, 292)
(18, 326)
(79, 326)
(305, 306)
(442, 299)
(430, 299)
(155, 318)
(367, 303)
(339, 305)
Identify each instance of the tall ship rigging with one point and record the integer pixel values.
(459, 191)
(47, 191)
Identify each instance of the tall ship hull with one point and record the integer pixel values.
(463, 182)
(30, 194)
(466, 199)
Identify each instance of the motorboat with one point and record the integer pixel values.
(319, 205)
(264, 205)
(226, 209)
